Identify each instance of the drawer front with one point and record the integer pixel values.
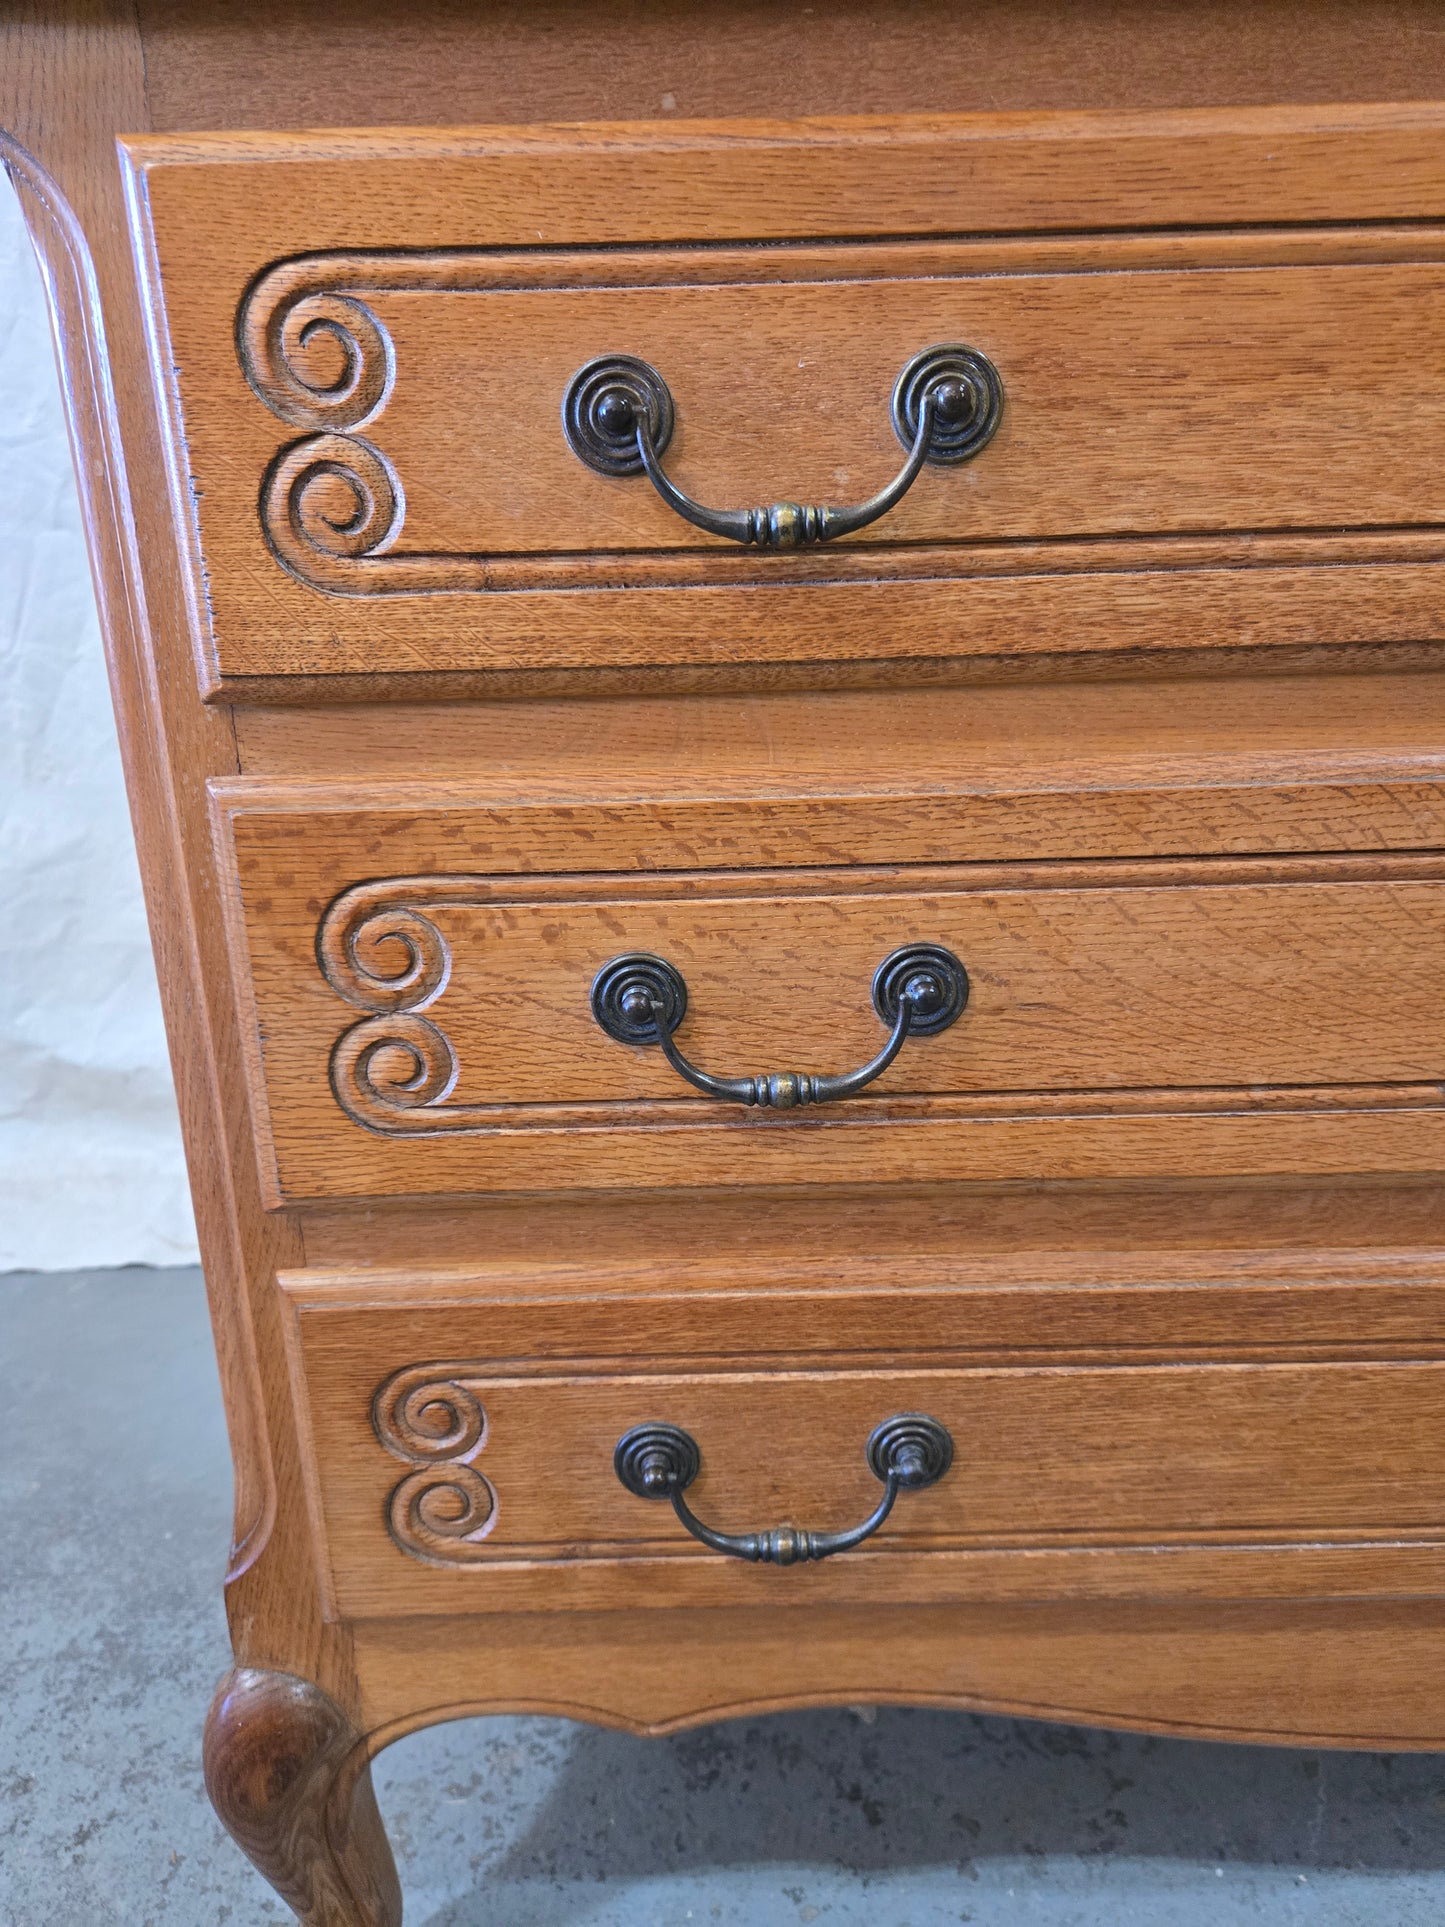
(371, 346)
(463, 1452)
(426, 1031)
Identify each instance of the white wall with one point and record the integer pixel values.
(90, 1158)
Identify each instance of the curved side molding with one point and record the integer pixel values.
(78, 321)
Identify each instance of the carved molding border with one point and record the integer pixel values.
(332, 504)
(444, 1509)
(77, 317)
(380, 950)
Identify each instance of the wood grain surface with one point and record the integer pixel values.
(342, 63)
(1090, 742)
(1063, 1232)
(1307, 1672)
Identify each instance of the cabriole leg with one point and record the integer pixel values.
(287, 1776)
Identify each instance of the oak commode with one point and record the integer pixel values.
(788, 760)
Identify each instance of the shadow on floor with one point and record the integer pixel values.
(857, 1807)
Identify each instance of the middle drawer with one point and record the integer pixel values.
(421, 1030)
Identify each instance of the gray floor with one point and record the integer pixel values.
(113, 1516)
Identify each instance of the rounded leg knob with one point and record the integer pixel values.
(289, 1779)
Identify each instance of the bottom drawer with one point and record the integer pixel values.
(462, 1447)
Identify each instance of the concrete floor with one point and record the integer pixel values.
(113, 1515)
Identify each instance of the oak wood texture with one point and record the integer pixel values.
(1064, 1231)
(342, 62)
(1300, 1672)
(476, 1474)
(430, 1029)
(1245, 661)
(1087, 745)
(288, 1774)
(1083, 746)
(430, 518)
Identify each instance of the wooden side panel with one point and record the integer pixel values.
(70, 81)
(482, 1479)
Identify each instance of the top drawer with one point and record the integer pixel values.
(1215, 418)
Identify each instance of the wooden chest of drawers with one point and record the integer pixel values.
(869, 1095)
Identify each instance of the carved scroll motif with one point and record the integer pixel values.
(443, 1510)
(332, 499)
(328, 501)
(381, 950)
(332, 504)
(288, 334)
(387, 958)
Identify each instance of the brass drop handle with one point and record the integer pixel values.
(618, 417)
(907, 1452)
(918, 990)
